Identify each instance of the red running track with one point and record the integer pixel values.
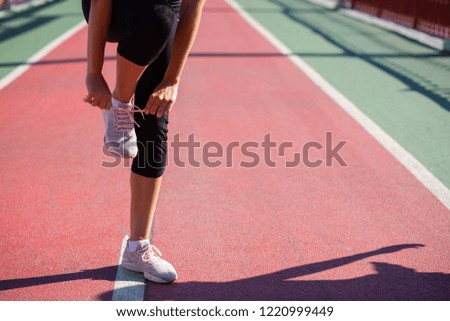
(367, 231)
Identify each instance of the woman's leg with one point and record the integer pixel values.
(127, 76)
(145, 31)
(144, 196)
(144, 190)
(149, 164)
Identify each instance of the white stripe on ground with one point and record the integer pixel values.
(21, 69)
(129, 285)
(329, 4)
(433, 184)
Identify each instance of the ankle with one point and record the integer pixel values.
(120, 104)
(133, 245)
(124, 99)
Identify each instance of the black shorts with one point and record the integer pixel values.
(144, 31)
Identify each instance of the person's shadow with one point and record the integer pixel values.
(390, 282)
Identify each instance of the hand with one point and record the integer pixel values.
(98, 94)
(162, 99)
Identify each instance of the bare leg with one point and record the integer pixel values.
(144, 196)
(127, 76)
(144, 190)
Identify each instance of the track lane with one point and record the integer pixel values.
(284, 233)
(233, 233)
(63, 215)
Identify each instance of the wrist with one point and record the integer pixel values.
(171, 81)
(172, 77)
(93, 73)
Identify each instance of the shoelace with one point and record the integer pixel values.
(149, 251)
(124, 119)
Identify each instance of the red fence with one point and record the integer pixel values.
(430, 16)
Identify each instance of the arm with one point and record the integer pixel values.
(164, 96)
(99, 20)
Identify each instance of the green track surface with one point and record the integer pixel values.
(401, 85)
(24, 33)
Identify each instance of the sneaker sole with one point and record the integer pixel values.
(116, 153)
(146, 276)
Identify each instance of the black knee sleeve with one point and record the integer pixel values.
(152, 146)
(152, 132)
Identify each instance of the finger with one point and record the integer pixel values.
(94, 102)
(108, 103)
(102, 103)
(156, 103)
(161, 109)
(169, 108)
(98, 100)
(150, 103)
(154, 106)
(105, 102)
(88, 98)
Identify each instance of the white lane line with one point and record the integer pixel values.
(129, 285)
(433, 184)
(329, 4)
(19, 70)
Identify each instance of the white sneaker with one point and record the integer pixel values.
(120, 137)
(145, 260)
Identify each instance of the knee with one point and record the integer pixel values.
(151, 159)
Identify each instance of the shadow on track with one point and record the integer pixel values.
(107, 273)
(390, 282)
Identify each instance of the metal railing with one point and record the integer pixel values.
(430, 16)
(7, 4)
